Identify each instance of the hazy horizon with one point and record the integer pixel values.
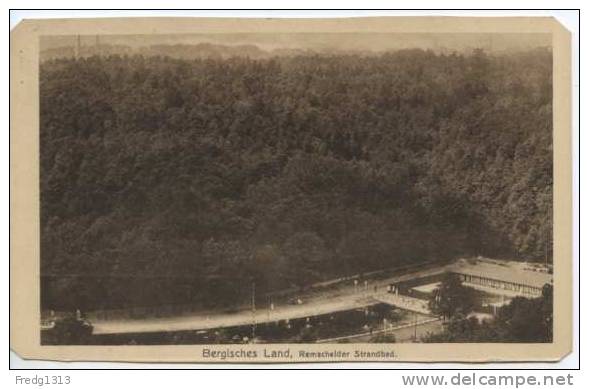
(495, 42)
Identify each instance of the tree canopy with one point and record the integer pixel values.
(174, 180)
(452, 298)
(523, 320)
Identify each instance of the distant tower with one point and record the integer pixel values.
(490, 46)
(77, 47)
(436, 45)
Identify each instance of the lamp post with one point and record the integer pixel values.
(414, 326)
(253, 310)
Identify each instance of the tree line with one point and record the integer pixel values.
(169, 180)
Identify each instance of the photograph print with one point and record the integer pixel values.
(296, 188)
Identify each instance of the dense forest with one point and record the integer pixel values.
(174, 180)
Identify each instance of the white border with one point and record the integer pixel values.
(567, 18)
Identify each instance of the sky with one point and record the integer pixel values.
(324, 41)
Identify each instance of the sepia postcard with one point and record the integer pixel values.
(216, 190)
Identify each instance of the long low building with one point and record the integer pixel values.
(504, 277)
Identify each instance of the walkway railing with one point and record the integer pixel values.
(389, 330)
(404, 302)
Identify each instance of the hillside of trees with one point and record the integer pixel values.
(170, 180)
(184, 51)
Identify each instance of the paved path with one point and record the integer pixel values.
(345, 298)
(200, 322)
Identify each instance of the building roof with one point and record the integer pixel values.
(509, 271)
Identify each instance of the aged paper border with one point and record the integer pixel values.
(24, 188)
